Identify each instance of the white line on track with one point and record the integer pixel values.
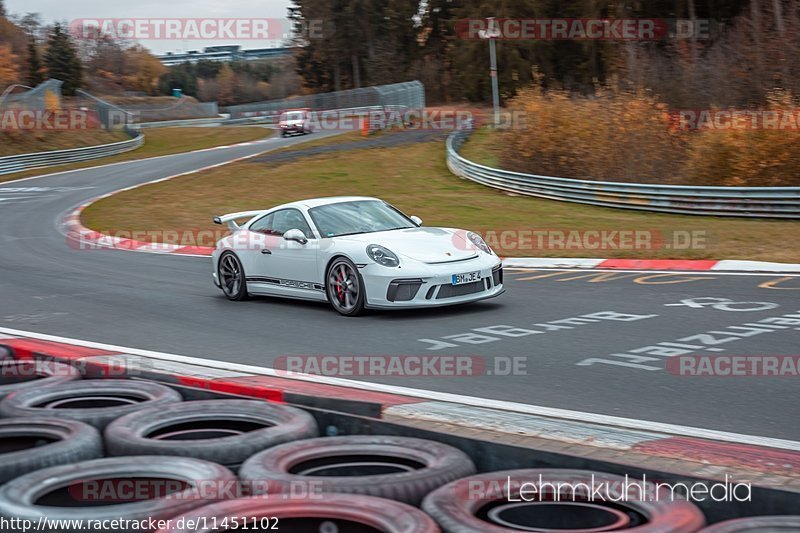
(550, 412)
(259, 141)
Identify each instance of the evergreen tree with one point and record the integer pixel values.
(35, 75)
(62, 61)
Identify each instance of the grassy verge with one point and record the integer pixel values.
(27, 142)
(164, 141)
(483, 148)
(414, 177)
(344, 138)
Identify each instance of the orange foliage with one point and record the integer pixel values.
(142, 71)
(9, 71)
(614, 136)
(630, 137)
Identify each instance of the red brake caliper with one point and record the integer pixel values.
(340, 287)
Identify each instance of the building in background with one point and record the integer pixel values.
(225, 53)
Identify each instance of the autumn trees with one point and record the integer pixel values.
(751, 47)
(31, 52)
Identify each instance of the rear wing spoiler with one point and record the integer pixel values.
(231, 218)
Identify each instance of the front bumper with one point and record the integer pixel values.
(425, 285)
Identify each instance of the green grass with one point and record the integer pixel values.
(163, 141)
(28, 142)
(414, 177)
(310, 142)
(483, 148)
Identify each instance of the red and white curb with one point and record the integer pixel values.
(731, 265)
(579, 431)
(85, 238)
(82, 237)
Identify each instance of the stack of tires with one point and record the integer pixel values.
(123, 453)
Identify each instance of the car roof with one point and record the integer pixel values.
(316, 202)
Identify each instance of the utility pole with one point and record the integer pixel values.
(492, 32)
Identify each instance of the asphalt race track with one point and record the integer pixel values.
(168, 303)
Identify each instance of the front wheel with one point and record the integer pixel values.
(232, 278)
(345, 288)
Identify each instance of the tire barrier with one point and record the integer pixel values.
(112, 489)
(21, 375)
(96, 402)
(223, 431)
(326, 513)
(481, 504)
(398, 468)
(763, 524)
(30, 444)
(51, 468)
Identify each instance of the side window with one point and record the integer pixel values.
(287, 219)
(263, 224)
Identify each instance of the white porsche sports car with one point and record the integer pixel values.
(354, 252)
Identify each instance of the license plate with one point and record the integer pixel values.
(469, 277)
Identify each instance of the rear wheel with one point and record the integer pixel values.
(231, 277)
(345, 288)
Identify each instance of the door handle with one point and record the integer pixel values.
(265, 251)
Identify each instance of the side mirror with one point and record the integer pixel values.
(416, 220)
(295, 235)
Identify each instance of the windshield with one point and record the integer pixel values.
(362, 216)
(295, 115)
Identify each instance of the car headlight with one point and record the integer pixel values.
(382, 256)
(478, 241)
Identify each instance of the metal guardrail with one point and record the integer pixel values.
(212, 121)
(269, 117)
(765, 202)
(17, 163)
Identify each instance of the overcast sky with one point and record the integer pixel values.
(69, 10)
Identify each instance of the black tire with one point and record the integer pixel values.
(96, 401)
(456, 506)
(415, 466)
(223, 431)
(344, 287)
(66, 492)
(29, 374)
(228, 261)
(34, 443)
(333, 512)
(762, 524)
